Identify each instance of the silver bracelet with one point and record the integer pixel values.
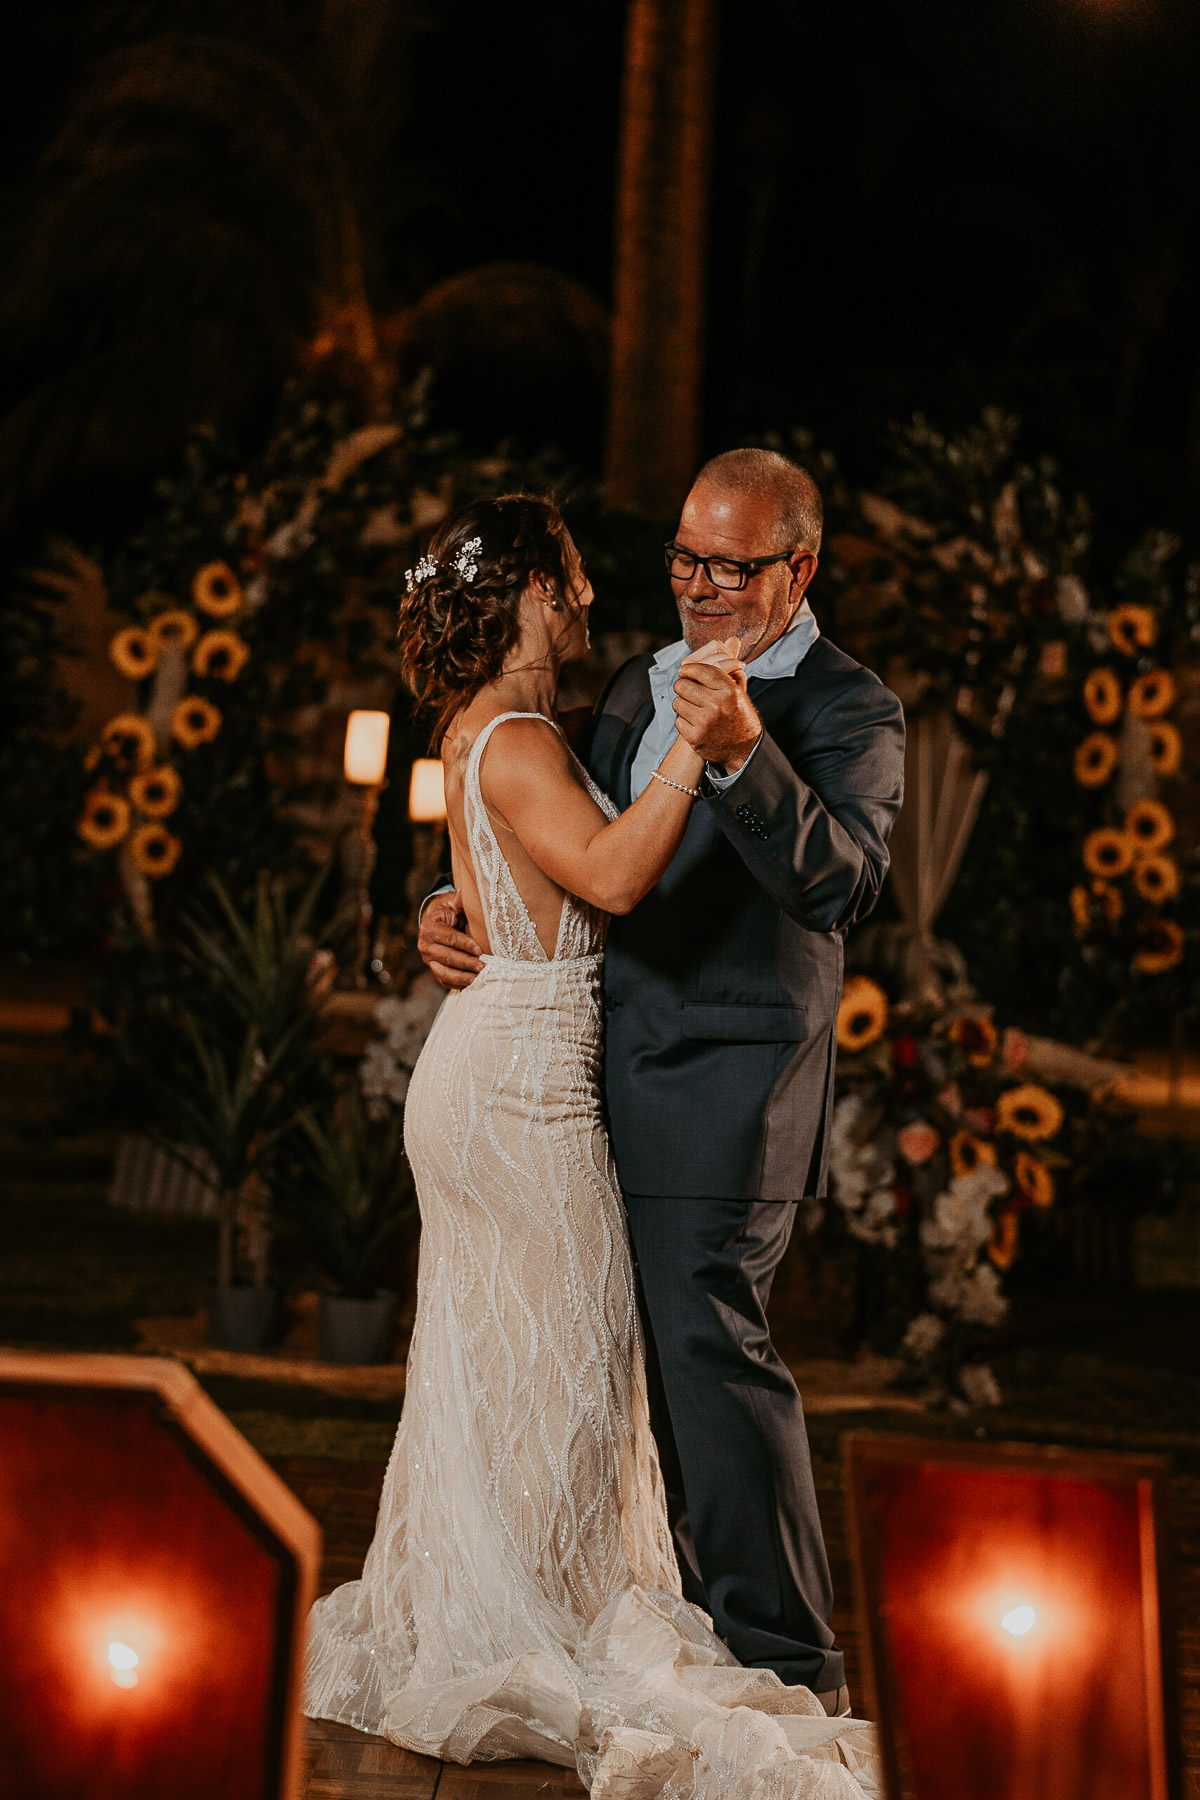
(677, 785)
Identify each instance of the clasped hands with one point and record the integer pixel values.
(713, 709)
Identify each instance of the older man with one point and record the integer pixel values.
(722, 990)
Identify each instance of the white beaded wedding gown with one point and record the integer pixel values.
(521, 1596)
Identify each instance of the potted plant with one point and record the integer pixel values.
(250, 1061)
(349, 1197)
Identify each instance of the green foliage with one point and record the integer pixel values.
(348, 1193)
(243, 1046)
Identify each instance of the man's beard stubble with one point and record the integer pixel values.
(751, 632)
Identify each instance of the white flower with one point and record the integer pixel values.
(923, 1336)
(981, 1302)
(979, 1386)
(388, 1062)
(383, 1081)
(946, 1290)
(961, 1219)
(1072, 600)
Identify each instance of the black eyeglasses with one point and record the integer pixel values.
(722, 571)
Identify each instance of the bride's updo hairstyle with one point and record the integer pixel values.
(460, 616)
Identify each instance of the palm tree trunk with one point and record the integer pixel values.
(225, 1234)
(662, 210)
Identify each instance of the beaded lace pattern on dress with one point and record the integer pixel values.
(521, 1596)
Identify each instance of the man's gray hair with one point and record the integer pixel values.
(765, 475)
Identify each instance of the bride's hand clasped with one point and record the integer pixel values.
(713, 709)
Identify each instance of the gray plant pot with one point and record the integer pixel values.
(244, 1318)
(357, 1331)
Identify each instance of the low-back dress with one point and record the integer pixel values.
(521, 1595)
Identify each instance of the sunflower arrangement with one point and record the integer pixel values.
(129, 745)
(941, 1143)
(1134, 876)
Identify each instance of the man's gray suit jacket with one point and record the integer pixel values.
(722, 986)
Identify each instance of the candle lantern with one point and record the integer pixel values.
(364, 764)
(157, 1576)
(427, 813)
(427, 792)
(1008, 1606)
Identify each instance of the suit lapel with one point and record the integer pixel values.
(627, 750)
(626, 710)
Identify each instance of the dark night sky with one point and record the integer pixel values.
(929, 206)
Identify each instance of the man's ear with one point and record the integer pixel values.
(804, 567)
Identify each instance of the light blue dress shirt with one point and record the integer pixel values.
(779, 659)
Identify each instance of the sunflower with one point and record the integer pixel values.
(1034, 1179)
(1102, 697)
(134, 652)
(154, 849)
(1095, 759)
(175, 627)
(155, 792)
(1002, 1251)
(976, 1035)
(217, 590)
(105, 819)
(130, 740)
(1149, 826)
(1166, 748)
(968, 1153)
(1107, 852)
(1162, 947)
(1081, 908)
(1110, 898)
(1132, 628)
(1156, 877)
(1152, 695)
(1029, 1111)
(862, 1014)
(222, 654)
(195, 721)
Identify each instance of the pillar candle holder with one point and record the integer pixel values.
(1009, 1614)
(364, 765)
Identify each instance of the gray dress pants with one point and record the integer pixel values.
(730, 1430)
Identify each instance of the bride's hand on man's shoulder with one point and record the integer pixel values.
(450, 955)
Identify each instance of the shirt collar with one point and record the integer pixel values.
(779, 659)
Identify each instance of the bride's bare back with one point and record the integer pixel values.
(556, 778)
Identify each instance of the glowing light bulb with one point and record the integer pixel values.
(122, 1665)
(1019, 1620)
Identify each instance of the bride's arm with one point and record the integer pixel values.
(530, 779)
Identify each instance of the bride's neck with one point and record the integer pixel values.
(527, 689)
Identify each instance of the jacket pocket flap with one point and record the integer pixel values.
(746, 1024)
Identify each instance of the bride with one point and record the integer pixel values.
(521, 1596)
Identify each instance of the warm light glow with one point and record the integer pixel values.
(366, 747)
(122, 1657)
(427, 792)
(1019, 1620)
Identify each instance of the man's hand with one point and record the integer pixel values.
(714, 711)
(449, 954)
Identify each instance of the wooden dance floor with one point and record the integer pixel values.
(344, 1765)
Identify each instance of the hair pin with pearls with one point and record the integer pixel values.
(423, 571)
(464, 563)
